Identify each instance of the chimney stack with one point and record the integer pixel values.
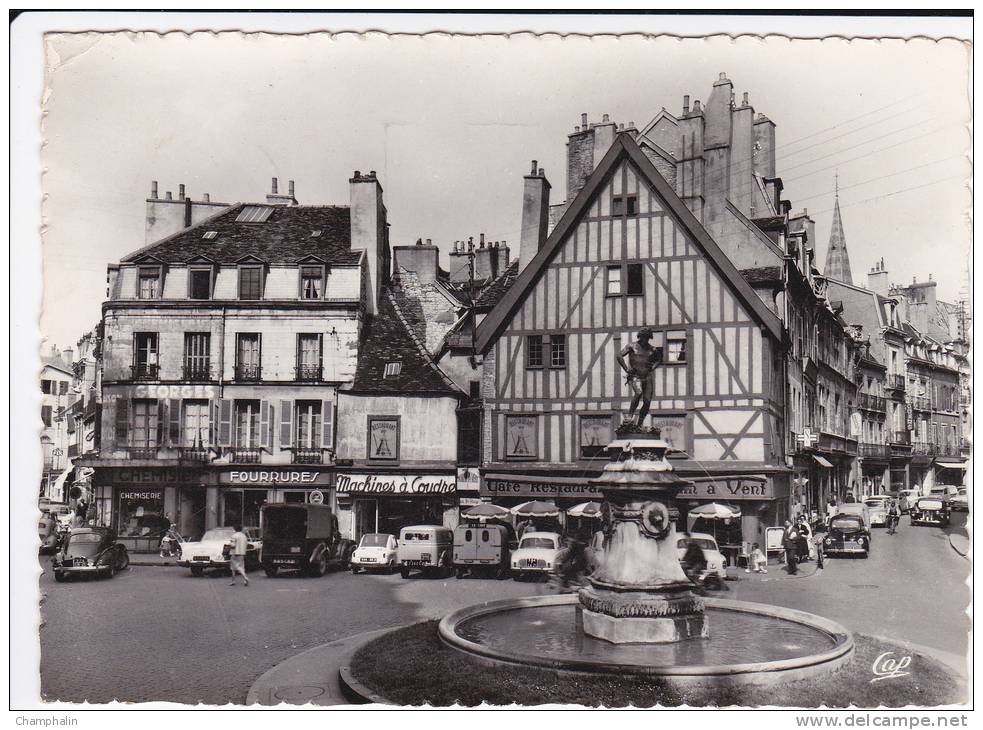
(535, 216)
(696, 106)
(187, 210)
(180, 191)
(686, 104)
(370, 232)
(273, 188)
(877, 279)
(420, 259)
(206, 198)
(583, 121)
(67, 355)
(153, 189)
(168, 196)
(290, 188)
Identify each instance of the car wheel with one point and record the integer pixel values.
(320, 566)
(124, 560)
(271, 571)
(460, 573)
(354, 570)
(60, 577)
(197, 571)
(404, 572)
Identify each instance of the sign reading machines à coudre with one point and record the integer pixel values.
(396, 484)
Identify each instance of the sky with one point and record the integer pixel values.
(450, 124)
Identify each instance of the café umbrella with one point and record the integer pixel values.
(536, 509)
(585, 509)
(485, 511)
(712, 511)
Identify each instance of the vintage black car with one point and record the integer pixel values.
(932, 510)
(303, 537)
(848, 534)
(90, 551)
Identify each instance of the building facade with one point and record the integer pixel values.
(57, 398)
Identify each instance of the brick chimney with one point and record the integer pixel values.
(535, 214)
(68, 356)
(277, 198)
(421, 259)
(877, 279)
(370, 232)
(485, 260)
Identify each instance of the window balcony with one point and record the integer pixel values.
(875, 450)
(308, 374)
(197, 372)
(195, 454)
(923, 448)
(895, 382)
(246, 455)
(308, 456)
(873, 403)
(920, 403)
(248, 373)
(901, 437)
(145, 371)
(142, 452)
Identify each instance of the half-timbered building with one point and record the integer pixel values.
(626, 254)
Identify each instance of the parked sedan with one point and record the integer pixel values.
(536, 555)
(878, 507)
(215, 547)
(376, 551)
(90, 551)
(960, 503)
(711, 553)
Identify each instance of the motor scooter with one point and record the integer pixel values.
(170, 544)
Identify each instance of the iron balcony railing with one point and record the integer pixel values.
(308, 373)
(195, 454)
(873, 403)
(923, 448)
(248, 373)
(920, 403)
(145, 371)
(246, 455)
(142, 452)
(308, 456)
(874, 450)
(897, 382)
(197, 371)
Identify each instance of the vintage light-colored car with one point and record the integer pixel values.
(213, 550)
(711, 553)
(878, 507)
(906, 499)
(374, 552)
(960, 503)
(427, 548)
(536, 555)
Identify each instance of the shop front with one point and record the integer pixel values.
(386, 502)
(950, 472)
(242, 492)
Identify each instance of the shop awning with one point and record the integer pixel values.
(821, 460)
(951, 466)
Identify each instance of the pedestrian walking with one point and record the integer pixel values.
(802, 541)
(237, 560)
(790, 542)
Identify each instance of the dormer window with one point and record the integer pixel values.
(200, 282)
(254, 214)
(210, 235)
(393, 369)
(250, 282)
(311, 282)
(148, 282)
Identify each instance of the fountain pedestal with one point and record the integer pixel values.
(639, 593)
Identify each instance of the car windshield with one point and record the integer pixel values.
(374, 540)
(875, 502)
(85, 538)
(537, 542)
(929, 504)
(217, 533)
(844, 522)
(700, 542)
(961, 493)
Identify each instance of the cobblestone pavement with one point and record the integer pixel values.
(156, 633)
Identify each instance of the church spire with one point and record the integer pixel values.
(837, 258)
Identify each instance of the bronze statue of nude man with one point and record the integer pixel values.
(642, 360)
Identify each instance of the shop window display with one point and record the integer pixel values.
(140, 513)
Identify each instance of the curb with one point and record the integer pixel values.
(960, 538)
(318, 676)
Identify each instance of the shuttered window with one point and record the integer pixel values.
(308, 424)
(145, 418)
(250, 282)
(247, 424)
(197, 424)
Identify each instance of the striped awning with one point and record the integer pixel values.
(821, 460)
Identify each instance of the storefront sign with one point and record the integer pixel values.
(730, 488)
(469, 501)
(173, 391)
(468, 479)
(282, 477)
(521, 439)
(316, 497)
(672, 429)
(133, 494)
(494, 486)
(144, 475)
(396, 484)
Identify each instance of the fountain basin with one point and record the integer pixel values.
(749, 644)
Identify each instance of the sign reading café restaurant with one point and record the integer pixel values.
(385, 484)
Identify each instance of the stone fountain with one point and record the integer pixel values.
(639, 593)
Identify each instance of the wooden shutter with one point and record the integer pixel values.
(122, 422)
(327, 424)
(265, 425)
(174, 422)
(212, 421)
(225, 422)
(286, 424)
(161, 422)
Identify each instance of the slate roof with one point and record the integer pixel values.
(498, 287)
(57, 363)
(284, 238)
(388, 338)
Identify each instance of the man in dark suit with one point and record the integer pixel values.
(790, 540)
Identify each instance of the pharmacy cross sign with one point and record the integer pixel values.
(807, 438)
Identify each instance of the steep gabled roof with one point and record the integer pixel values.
(497, 288)
(286, 236)
(57, 363)
(624, 147)
(389, 338)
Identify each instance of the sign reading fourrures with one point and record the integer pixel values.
(395, 484)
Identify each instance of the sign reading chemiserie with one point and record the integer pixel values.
(396, 484)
